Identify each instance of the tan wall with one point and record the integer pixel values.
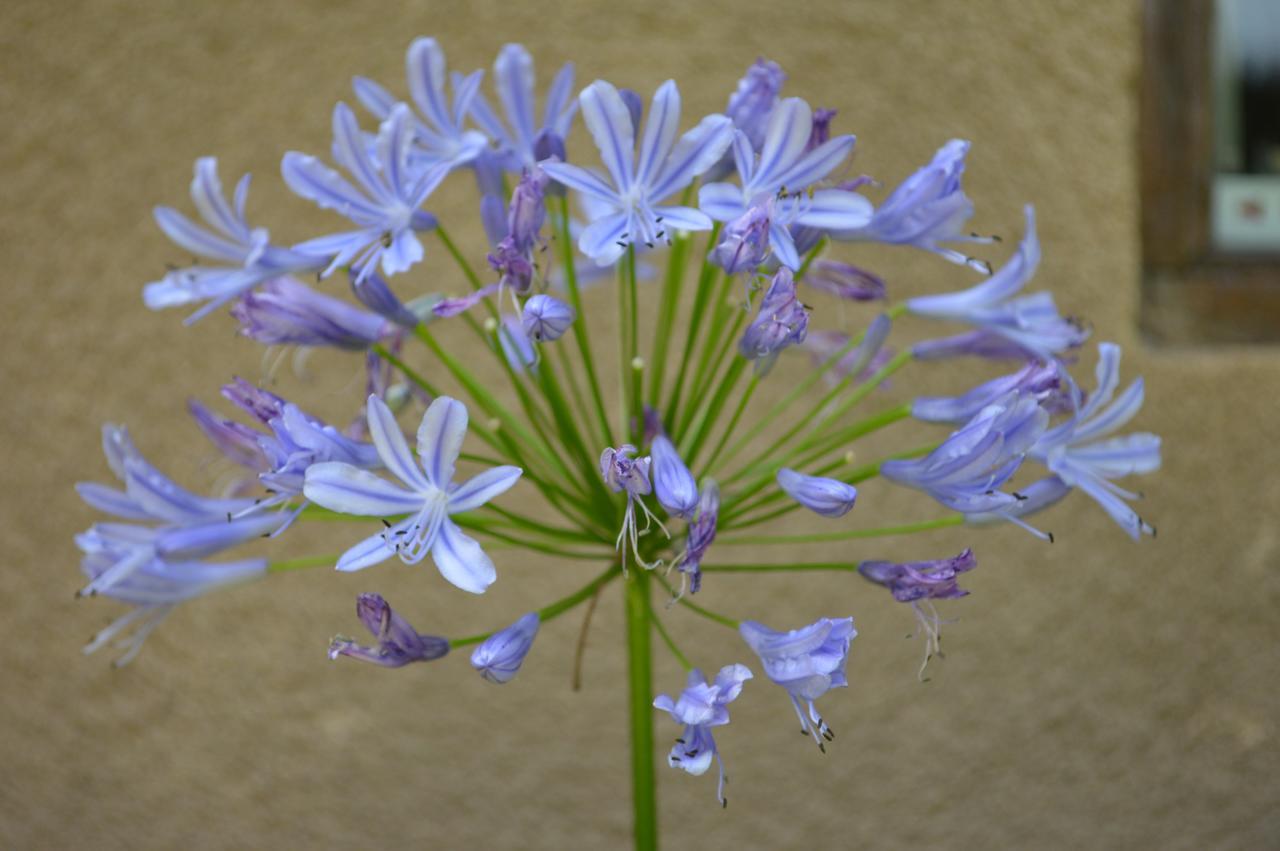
(1096, 692)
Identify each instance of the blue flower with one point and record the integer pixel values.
(749, 108)
(701, 534)
(779, 182)
(286, 311)
(701, 706)
(428, 497)
(828, 497)
(1044, 381)
(384, 204)
(966, 471)
(673, 484)
(519, 139)
(782, 321)
(623, 472)
(1029, 323)
(1081, 454)
(499, 657)
(247, 253)
(546, 318)
(920, 583)
(927, 209)
(439, 133)
(807, 662)
(398, 642)
(627, 208)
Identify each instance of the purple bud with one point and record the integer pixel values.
(546, 317)
(635, 105)
(702, 532)
(513, 265)
(398, 642)
(673, 484)
(744, 242)
(285, 311)
(917, 580)
(828, 497)
(235, 440)
(624, 472)
(498, 658)
(757, 92)
(781, 322)
(845, 281)
(821, 131)
(517, 348)
(527, 211)
(261, 404)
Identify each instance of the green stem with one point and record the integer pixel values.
(701, 296)
(302, 563)
(723, 620)
(451, 246)
(644, 787)
(667, 640)
(580, 320)
(667, 314)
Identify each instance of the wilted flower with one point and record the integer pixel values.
(782, 321)
(398, 642)
(286, 311)
(845, 281)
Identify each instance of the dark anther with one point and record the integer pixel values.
(622, 244)
(1050, 537)
(228, 516)
(724, 804)
(822, 747)
(658, 219)
(680, 741)
(803, 731)
(385, 523)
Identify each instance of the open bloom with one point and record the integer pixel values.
(828, 497)
(967, 470)
(1081, 454)
(920, 583)
(428, 498)
(498, 658)
(807, 662)
(440, 135)
(927, 209)
(1029, 323)
(398, 642)
(628, 208)
(384, 204)
(518, 139)
(781, 180)
(248, 256)
(701, 706)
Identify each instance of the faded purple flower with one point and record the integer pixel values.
(782, 321)
(398, 642)
(749, 108)
(1043, 381)
(285, 311)
(622, 471)
(828, 497)
(498, 658)
(701, 706)
(807, 662)
(701, 534)
(844, 281)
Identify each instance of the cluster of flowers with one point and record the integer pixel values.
(767, 180)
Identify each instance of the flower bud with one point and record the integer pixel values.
(498, 658)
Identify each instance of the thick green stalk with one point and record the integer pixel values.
(644, 786)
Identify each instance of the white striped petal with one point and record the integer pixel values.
(426, 73)
(374, 549)
(350, 490)
(698, 150)
(440, 436)
(461, 560)
(580, 180)
(609, 122)
(513, 75)
(659, 131)
(786, 134)
(392, 448)
(482, 487)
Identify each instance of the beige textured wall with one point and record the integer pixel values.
(1096, 693)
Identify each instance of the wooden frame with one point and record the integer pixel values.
(1191, 292)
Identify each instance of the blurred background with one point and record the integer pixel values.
(1096, 692)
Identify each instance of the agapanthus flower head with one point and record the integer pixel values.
(701, 706)
(673, 484)
(807, 662)
(701, 534)
(520, 137)
(927, 209)
(425, 499)
(1081, 453)
(285, 311)
(920, 583)
(439, 133)
(844, 281)
(246, 254)
(384, 203)
(787, 172)
(782, 321)
(1029, 323)
(398, 643)
(627, 208)
(966, 471)
(498, 658)
(819, 494)
(546, 318)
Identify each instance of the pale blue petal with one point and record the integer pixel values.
(659, 131)
(600, 240)
(721, 201)
(199, 241)
(404, 251)
(786, 134)
(313, 180)
(816, 164)
(834, 209)
(697, 150)
(744, 157)
(513, 75)
(560, 106)
(373, 97)
(581, 180)
(483, 487)
(440, 436)
(349, 490)
(783, 246)
(461, 561)
(683, 218)
(206, 193)
(392, 448)
(426, 72)
(372, 550)
(351, 152)
(609, 122)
